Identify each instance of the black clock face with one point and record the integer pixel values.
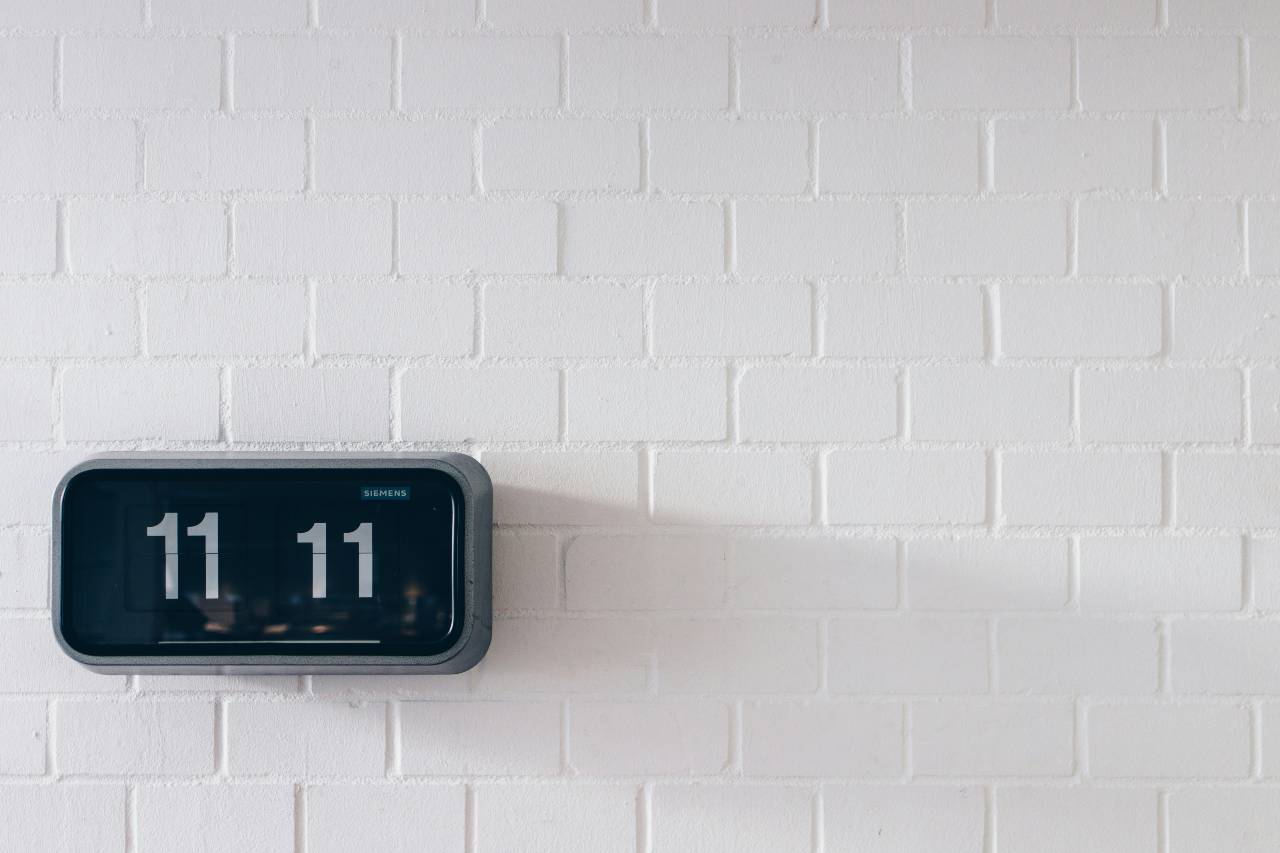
(280, 561)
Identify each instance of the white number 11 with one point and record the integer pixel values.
(207, 529)
(361, 537)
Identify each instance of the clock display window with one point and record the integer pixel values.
(252, 561)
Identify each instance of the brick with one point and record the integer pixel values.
(895, 655)
(66, 818)
(479, 738)
(906, 487)
(571, 14)
(392, 156)
(1264, 74)
(1224, 657)
(1076, 155)
(1160, 405)
(993, 737)
(981, 403)
(986, 238)
(668, 737)
(1245, 820)
(28, 411)
(1080, 320)
(1159, 238)
(904, 321)
(310, 404)
(31, 478)
(731, 319)
(209, 153)
(1077, 13)
(554, 816)
(134, 737)
(729, 157)
(561, 154)
(26, 71)
(69, 14)
(28, 234)
(1111, 657)
(817, 404)
(897, 155)
(1168, 741)
(24, 570)
(990, 73)
(1222, 157)
(637, 73)
(68, 155)
(1064, 820)
(441, 237)
(129, 73)
(906, 13)
(737, 13)
(446, 14)
(724, 818)
(741, 655)
(1268, 720)
(1174, 73)
(1082, 488)
(1264, 405)
(1226, 322)
(396, 319)
(564, 487)
(1131, 574)
(349, 817)
(643, 403)
(608, 656)
(839, 739)
(295, 237)
(812, 574)
(816, 238)
(23, 737)
(902, 819)
(262, 684)
(1263, 219)
(986, 574)
(562, 320)
(481, 73)
(455, 403)
(645, 238)
(348, 72)
(226, 319)
(148, 238)
(646, 573)
(230, 14)
(1264, 558)
(526, 571)
(170, 403)
(1227, 490)
(256, 818)
(305, 739)
(1250, 14)
(732, 488)
(818, 74)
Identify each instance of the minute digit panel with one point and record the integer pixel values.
(274, 564)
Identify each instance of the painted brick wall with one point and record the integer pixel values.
(883, 398)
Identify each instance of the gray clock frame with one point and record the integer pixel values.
(477, 611)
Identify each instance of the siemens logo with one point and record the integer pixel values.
(384, 493)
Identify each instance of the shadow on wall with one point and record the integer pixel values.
(687, 609)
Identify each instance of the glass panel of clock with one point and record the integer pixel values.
(245, 561)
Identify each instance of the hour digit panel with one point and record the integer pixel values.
(176, 558)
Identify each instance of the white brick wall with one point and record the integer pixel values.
(883, 398)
